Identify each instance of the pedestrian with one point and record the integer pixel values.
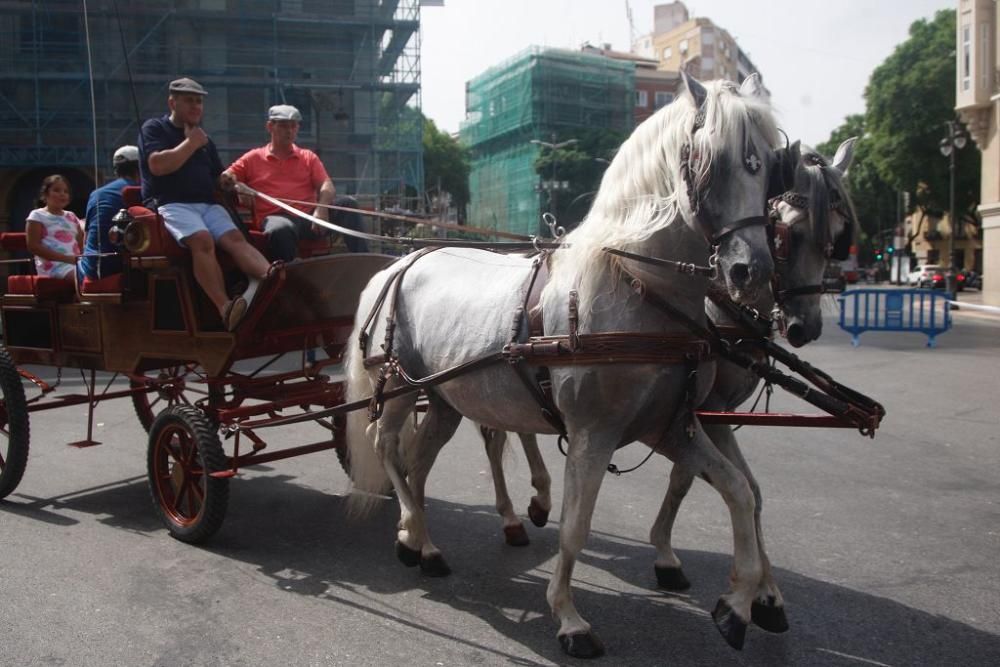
(283, 170)
(98, 259)
(179, 168)
(54, 235)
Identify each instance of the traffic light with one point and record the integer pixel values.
(890, 250)
(878, 255)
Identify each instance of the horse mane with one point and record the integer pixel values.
(822, 184)
(643, 191)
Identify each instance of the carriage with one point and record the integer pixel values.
(153, 327)
(604, 312)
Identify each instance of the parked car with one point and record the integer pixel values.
(927, 275)
(968, 279)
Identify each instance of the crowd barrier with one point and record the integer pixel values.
(919, 310)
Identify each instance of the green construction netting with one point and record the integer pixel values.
(544, 94)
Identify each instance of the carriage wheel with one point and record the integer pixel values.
(180, 385)
(14, 429)
(184, 448)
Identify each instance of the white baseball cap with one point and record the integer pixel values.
(125, 154)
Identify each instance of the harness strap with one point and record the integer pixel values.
(681, 267)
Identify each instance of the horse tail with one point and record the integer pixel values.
(367, 473)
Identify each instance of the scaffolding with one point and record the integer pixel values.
(537, 94)
(352, 67)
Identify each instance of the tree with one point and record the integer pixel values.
(446, 166)
(909, 99)
(582, 166)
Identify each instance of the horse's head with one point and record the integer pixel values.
(813, 222)
(725, 164)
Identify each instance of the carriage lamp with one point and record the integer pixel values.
(119, 224)
(955, 139)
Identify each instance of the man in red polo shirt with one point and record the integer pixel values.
(284, 171)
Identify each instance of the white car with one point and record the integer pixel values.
(926, 275)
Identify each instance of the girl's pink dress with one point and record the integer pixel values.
(59, 233)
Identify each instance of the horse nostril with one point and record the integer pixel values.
(739, 274)
(796, 335)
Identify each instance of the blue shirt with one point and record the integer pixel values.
(102, 205)
(193, 183)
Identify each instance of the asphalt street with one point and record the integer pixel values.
(886, 550)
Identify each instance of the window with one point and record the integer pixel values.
(984, 45)
(966, 56)
(708, 37)
(663, 99)
(641, 99)
(683, 46)
(667, 52)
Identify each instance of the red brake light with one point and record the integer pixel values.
(961, 278)
(938, 276)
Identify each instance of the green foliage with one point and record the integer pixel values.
(910, 97)
(582, 166)
(446, 165)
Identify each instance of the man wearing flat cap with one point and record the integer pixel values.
(180, 167)
(283, 170)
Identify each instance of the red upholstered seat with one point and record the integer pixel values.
(14, 241)
(314, 247)
(42, 288)
(132, 196)
(106, 285)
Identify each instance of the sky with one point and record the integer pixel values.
(815, 55)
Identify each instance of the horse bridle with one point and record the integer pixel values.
(751, 162)
(780, 239)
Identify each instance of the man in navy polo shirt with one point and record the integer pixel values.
(102, 205)
(180, 165)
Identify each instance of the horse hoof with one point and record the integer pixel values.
(516, 536)
(732, 627)
(768, 616)
(434, 566)
(671, 578)
(407, 556)
(538, 516)
(582, 645)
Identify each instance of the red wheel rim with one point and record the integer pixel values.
(179, 475)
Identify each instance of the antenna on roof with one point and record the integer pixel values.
(631, 26)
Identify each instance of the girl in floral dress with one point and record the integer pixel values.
(55, 235)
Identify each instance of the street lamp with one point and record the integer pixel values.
(553, 184)
(953, 141)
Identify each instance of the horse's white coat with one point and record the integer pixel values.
(458, 305)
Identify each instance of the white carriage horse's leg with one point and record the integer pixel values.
(513, 530)
(700, 457)
(586, 463)
(414, 546)
(541, 502)
(767, 609)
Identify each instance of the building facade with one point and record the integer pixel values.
(67, 101)
(705, 49)
(977, 100)
(539, 95)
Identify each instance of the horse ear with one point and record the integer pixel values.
(694, 87)
(796, 151)
(751, 86)
(845, 153)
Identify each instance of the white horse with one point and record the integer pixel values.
(814, 223)
(691, 177)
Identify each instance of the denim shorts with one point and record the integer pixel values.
(183, 220)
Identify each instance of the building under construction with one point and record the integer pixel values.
(543, 95)
(71, 80)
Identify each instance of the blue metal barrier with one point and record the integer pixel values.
(921, 310)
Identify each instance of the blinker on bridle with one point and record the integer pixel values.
(751, 162)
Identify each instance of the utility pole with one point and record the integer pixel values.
(953, 141)
(554, 183)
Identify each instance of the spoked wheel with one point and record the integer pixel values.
(184, 449)
(14, 435)
(182, 384)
